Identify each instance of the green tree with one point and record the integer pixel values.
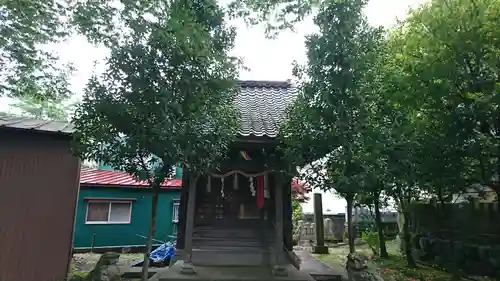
(29, 28)
(463, 39)
(28, 69)
(45, 100)
(445, 75)
(394, 128)
(276, 15)
(164, 100)
(42, 109)
(451, 55)
(371, 198)
(327, 119)
(296, 214)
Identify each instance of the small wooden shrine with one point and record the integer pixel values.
(241, 215)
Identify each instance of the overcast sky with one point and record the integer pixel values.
(267, 59)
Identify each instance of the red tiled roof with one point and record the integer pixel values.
(90, 176)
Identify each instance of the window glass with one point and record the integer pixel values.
(108, 212)
(97, 211)
(120, 212)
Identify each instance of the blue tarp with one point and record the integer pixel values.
(162, 254)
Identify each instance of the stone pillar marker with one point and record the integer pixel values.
(320, 247)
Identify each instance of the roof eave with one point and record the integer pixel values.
(92, 185)
(257, 139)
(6, 129)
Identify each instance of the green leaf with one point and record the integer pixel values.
(166, 97)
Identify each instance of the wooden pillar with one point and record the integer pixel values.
(181, 225)
(187, 265)
(320, 247)
(279, 269)
(287, 214)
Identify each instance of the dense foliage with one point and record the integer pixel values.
(165, 99)
(328, 117)
(27, 68)
(45, 108)
(30, 31)
(411, 112)
(173, 79)
(296, 215)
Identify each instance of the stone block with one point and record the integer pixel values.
(320, 249)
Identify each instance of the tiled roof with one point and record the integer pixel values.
(31, 124)
(95, 177)
(262, 105)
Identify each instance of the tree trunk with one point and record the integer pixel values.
(407, 239)
(381, 237)
(497, 191)
(149, 243)
(441, 198)
(350, 228)
(399, 238)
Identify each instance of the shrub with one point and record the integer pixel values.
(371, 238)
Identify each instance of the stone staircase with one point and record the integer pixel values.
(221, 246)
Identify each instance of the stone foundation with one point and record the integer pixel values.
(229, 273)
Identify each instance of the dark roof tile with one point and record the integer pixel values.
(27, 123)
(262, 105)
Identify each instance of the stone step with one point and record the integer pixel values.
(136, 272)
(231, 257)
(229, 243)
(236, 249)
(231, 234)
(230, 273)
(233, 238)
(328, 277)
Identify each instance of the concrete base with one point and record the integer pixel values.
(187, 268)
(279, 270)
(230, 273)
(317, 249)
(136, 272)
(227, 256)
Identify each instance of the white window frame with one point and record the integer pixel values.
(110, 202)
(176, 203)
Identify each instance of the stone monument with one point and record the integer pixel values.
(319, 247)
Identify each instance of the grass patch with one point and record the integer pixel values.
(392, 269)
(395, 269)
